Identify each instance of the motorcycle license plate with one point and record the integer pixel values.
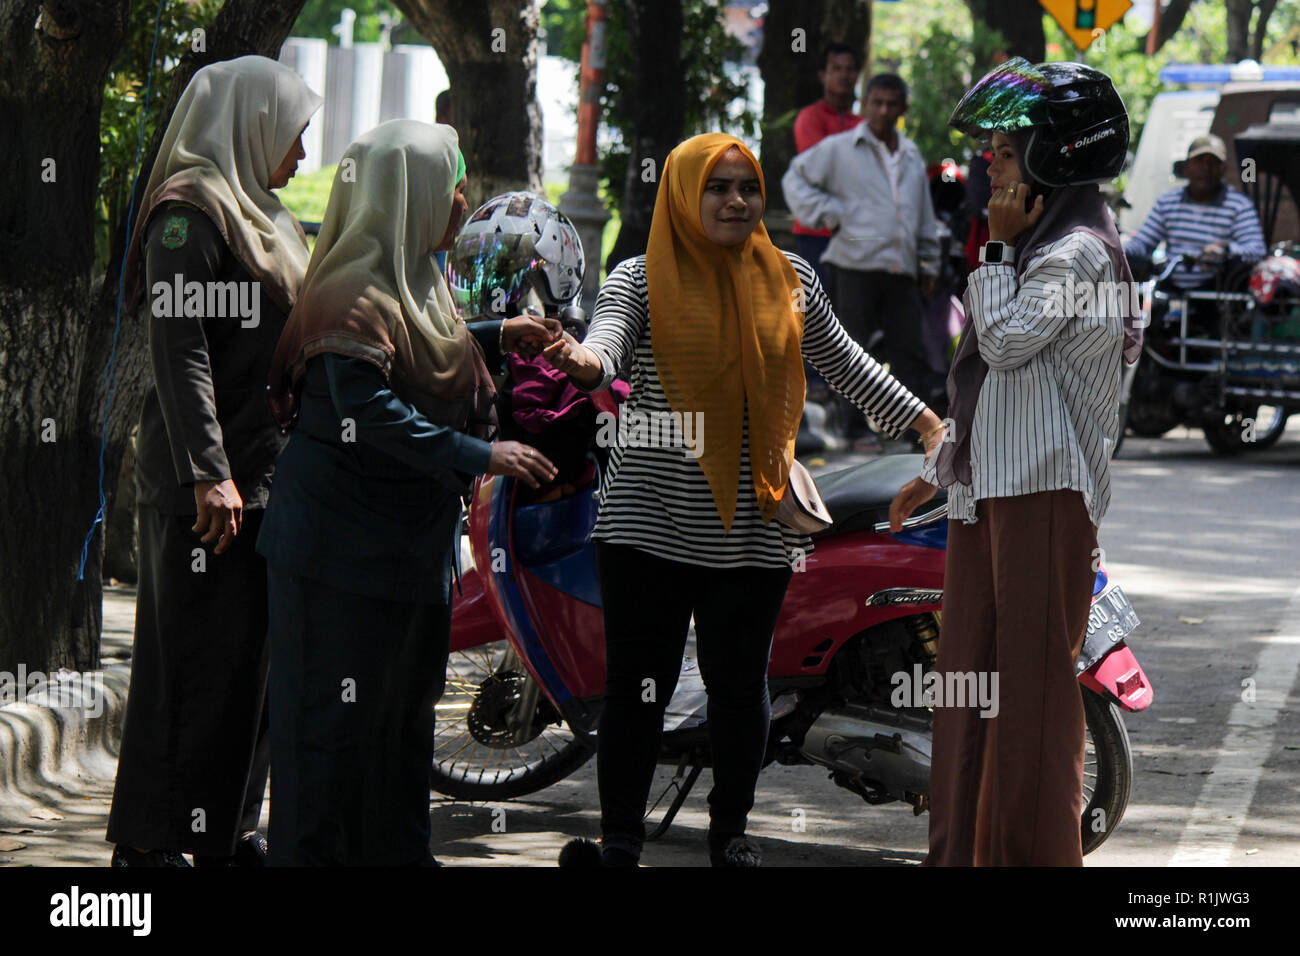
(1110, 619)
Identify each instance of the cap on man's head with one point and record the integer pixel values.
(1208, 144)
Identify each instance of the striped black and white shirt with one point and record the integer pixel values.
(1187, 226)
(655, 496)
(1048, 413)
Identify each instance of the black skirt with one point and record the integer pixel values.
(353, 684)
(195, 747)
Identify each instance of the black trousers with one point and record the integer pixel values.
(353, 684)
(195, 749)
(648, 602)
(881, 311)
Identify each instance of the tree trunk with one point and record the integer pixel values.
(654, 32)
(1243, 42)
(1171, 19)
(57, 322)
(1019, 21)
(1266, 8)
(789, 62)
(1238, 13)
(489, 49)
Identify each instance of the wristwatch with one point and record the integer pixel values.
(995, 252)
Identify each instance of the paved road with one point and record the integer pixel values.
(1209, 553)
(1208, 550)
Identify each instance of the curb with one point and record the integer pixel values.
(58, 738)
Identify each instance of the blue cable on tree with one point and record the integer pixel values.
(109, 374)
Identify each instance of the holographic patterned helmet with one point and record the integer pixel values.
(514, 244)
(1078, 127)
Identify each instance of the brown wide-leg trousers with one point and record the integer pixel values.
(1007, 790)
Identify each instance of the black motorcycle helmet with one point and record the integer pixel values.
(1076, 120)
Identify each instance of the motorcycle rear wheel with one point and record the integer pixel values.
(1107, 770)
(476, 754)
(1225, 430)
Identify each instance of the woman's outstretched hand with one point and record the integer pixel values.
(568, 355)
(520, 461)
(528, 334)
(916, 492)
(1007, 216)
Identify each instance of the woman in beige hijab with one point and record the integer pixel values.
(389, 395)
(221, 260)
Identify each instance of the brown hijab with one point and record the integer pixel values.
(373, 288)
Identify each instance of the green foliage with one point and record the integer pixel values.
(715, 91)
(308, 193)
(318, 18)
(935, 85)
(930, 45)
(124, 94)
(565, 24)
(935, 48)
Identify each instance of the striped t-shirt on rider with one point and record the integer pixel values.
(1187, 226)
(1048, 413)
(655, 497)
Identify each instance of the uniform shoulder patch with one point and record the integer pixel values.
(175, 232)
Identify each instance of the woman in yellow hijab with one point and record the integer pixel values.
(715, 323)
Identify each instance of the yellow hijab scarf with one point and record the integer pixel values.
(726, 327)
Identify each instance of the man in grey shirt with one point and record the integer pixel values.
(868, 185)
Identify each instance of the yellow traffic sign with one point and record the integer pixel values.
(1085, 20)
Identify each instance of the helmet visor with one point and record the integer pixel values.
(1011, 97)
(488, 273)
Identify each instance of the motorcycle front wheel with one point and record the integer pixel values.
(485, 746)
(1107, 770)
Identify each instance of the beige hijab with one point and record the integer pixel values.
(232, 128)
(373, 288)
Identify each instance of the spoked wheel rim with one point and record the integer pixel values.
(481, 738)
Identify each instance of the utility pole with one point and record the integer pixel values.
(582, 202)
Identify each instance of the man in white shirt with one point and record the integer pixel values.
(869, 186)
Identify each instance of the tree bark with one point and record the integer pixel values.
(489, 49)
(1019, 21)
(654, 29)
(1266, 8)
(1171, 20)
(1238, 13)
(57, 320)
(789, 63)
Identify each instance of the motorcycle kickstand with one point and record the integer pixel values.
(683, 788)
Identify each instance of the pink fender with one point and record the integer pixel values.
(1119, 677)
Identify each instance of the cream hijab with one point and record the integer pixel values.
(232, 128)
(373, 287)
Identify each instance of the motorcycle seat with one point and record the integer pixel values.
(859, 496)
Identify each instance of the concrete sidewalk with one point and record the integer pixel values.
(57, 763)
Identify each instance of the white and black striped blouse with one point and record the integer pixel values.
(1048, 413)
(655, 496)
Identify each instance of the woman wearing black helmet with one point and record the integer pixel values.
(1034, 399)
